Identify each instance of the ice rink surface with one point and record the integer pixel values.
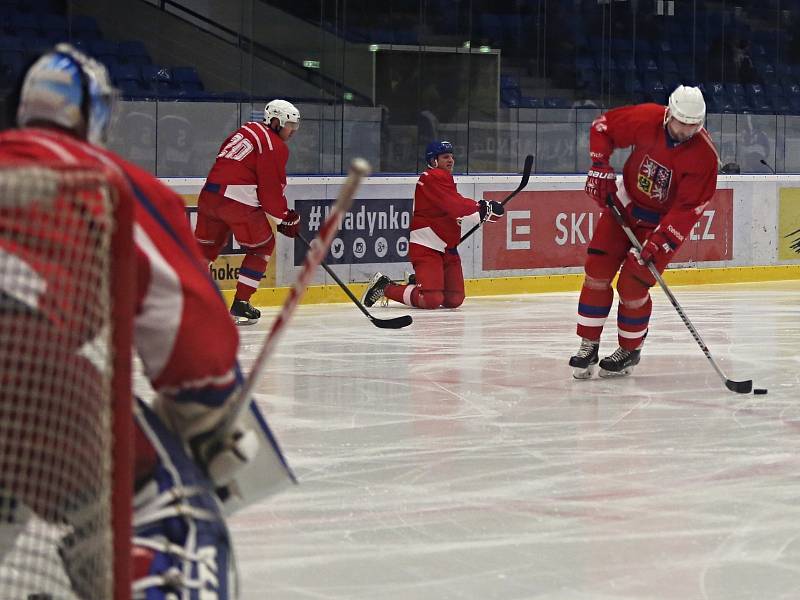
(458, 458)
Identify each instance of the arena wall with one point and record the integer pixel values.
(745, 234)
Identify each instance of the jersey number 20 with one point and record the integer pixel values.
(237, 148)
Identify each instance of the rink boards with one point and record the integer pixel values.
(749, 232)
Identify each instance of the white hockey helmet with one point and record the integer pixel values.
(67, 88)
(686, 105)
(284, 111)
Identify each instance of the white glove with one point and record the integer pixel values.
(237, 450)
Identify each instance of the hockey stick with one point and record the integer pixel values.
(393, 323)
(526, 175)
(740, 387)
(277, 472)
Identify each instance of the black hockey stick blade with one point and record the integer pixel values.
(394, 323)
(740, 387)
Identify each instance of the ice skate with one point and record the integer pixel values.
(620, 363)
(244, 313)
(375, 287)
(585, 360)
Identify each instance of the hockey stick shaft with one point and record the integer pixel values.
(318, 248)
(526, 175)
(742, 387)
(394, 323)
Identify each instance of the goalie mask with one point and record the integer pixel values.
(67, 88)
(284, 111)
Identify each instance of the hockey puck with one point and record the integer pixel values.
(759, 391)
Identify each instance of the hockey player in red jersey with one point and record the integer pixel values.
(182, 333)
(439, 211)
(245, 187)
(669, 177)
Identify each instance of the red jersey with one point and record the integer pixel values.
(666, 183)
(438, 209)
(182, 330)
(251, 169)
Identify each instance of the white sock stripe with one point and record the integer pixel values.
(248, 281)
(631, 335)
(591, 321)
(407, 295)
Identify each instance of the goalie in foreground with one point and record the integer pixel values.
(182, 333)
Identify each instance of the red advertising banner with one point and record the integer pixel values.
(552, 229)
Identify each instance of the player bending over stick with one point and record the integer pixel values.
(667, 181)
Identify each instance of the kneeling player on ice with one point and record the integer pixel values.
(669, 177)
(439, 211)
(186, 451)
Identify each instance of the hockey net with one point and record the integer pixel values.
(65, 429)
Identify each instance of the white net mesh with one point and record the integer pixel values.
(56, 227)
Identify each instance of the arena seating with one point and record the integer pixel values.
(33, 26)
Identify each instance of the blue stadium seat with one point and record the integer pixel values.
(644, 62)
(510, 97)
(656, 91)
(773, 89)
(158, 80)
(188, 83)
(794, 105)
(781, 105)
(528, 102)
(757, 98)
(792, 90)
(85, 28)
(668, 64)
(187, 78)
(133, 52)
(99, 48)
(120, 73)
(556, 103)
(734, 89)
(767, 73)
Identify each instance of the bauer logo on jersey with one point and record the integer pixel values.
(654, 179)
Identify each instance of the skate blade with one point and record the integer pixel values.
(587, 373)
(611, 374)
(240, 321)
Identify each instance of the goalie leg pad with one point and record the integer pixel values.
(181, 546)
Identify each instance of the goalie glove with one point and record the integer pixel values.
(490, 210)
(235, 452)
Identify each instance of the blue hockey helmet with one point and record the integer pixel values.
(67, 88)
(434, 149)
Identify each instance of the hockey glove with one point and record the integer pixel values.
(490, 210)
(600, 182)
(659, 247)
(290, 225)
(222, 459)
